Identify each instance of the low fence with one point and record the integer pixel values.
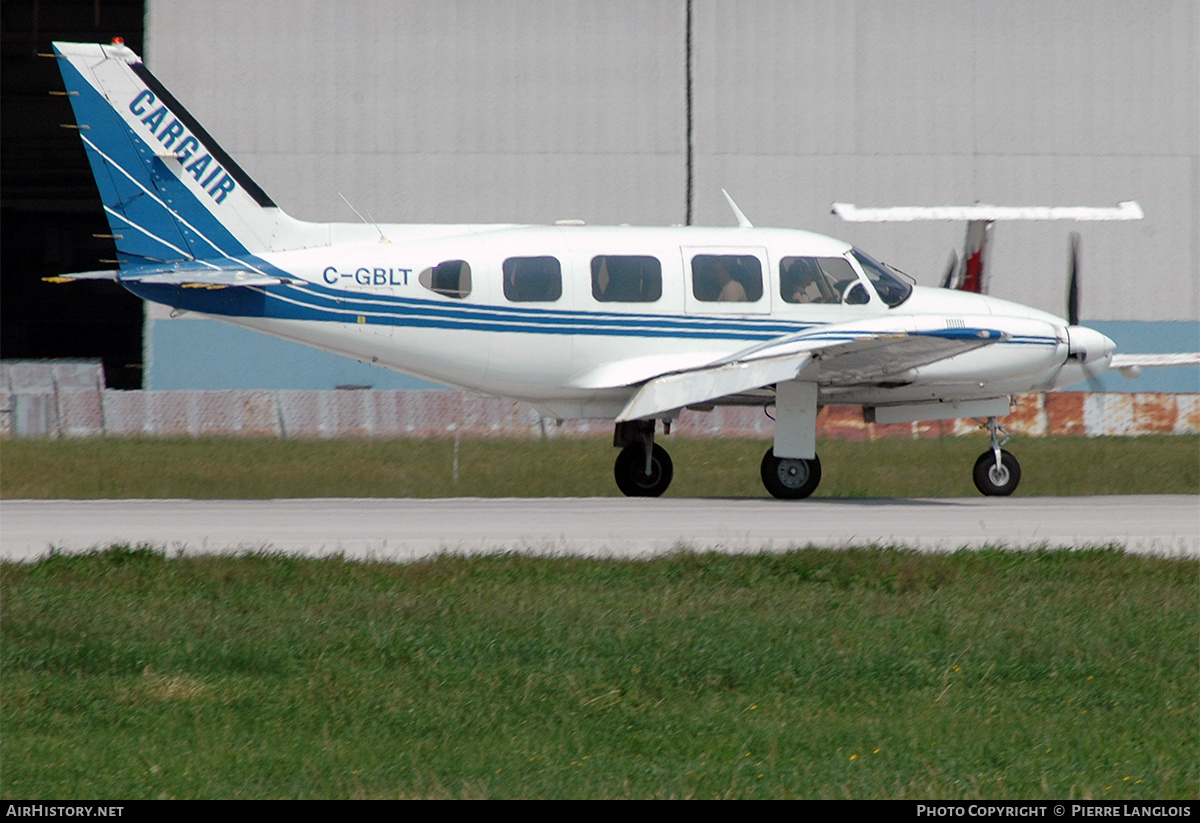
(68, 399)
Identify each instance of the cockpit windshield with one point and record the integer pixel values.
(891, 286)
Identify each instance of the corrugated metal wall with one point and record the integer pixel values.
(1015, 103)
(440, 112)
(533, 110)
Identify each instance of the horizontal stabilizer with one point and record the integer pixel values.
(107, 274)
(208, 278)
(187, 276)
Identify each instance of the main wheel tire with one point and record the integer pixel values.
(790, 479)
(997, 481)
(630, 471)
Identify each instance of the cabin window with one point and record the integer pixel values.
(818, 280)
(626, 279)
(449, 279)
(726, 278)
(532, 279)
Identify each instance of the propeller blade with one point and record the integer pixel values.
(951, 268)
(1073, 282)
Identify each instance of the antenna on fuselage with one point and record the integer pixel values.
(743, 223)
(372, 222)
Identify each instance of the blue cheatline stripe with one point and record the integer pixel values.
(385, 306)
(264, 303)
(290, 304)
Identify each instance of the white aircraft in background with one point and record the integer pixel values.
(628, 324)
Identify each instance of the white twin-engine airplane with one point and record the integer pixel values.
(628, 324)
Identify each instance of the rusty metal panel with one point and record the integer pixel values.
(331, 414)
(81, 412)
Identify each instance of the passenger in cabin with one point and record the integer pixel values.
(729, 290)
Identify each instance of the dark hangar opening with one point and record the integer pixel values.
(49, 207)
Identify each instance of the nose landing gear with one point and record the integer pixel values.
(997, 472)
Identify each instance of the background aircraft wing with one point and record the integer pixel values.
(1125, 361)
(1131, 365)
(829, 357)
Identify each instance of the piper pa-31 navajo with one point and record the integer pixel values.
(628, 324)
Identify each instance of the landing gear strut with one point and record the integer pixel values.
(997, 472)
(643, 468)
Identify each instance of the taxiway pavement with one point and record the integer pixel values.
(409, 529)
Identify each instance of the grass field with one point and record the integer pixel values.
(567, 467)
(857, 673)
(869, 672)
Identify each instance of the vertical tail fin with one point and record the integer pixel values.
(973, 276)
(170, 192)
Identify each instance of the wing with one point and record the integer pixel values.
(839, 356)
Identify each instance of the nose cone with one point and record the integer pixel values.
(1090, 349)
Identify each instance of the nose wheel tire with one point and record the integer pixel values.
(997, 481)
(630, 471)
(790, 479)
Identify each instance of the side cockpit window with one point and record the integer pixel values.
(532, 279)
(815, 279)
(449, 279)
(626, 279)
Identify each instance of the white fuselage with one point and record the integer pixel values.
(573, 353)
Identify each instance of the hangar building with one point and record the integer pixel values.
(628, 111)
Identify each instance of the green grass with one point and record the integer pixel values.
(857, 673)
(557, 467)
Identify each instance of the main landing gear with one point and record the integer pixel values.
(790, 479)
(643, 468)
(997, 472)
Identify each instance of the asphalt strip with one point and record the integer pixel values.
(408, 529)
